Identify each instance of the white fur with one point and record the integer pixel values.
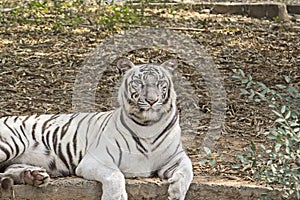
(112, 144)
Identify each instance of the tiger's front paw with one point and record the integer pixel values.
(178, 187)
(36, 176)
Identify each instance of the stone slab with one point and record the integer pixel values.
(293, 9)
(268, 10)
(138, 189)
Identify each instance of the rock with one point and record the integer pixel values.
(257, 10)
(155, 189)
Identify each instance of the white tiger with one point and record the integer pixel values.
(140, 138)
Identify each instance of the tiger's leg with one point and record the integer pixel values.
(180, 175)
(112, 179)
(24, 174)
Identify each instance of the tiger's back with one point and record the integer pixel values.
(54, 142)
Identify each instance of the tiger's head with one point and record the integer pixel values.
(147, 92)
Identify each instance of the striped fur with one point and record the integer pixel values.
(140, 138)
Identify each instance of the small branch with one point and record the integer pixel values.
(186, 29)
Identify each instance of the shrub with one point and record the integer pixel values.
(278, 164)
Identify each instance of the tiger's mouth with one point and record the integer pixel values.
(149, 108)
(146, 115)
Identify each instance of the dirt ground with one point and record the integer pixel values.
(39, 63)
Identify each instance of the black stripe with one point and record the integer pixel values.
(6, 153)
(167, 99)
(21, 140)
(10, 147)
(35, 145)
(65, 127)
(169, 172)
(54, 139)
(52, 165)
(110, 155)
(62, 157)
(90, 119)
(24, 121)
(33, 131)
(170, 125)
(98, 118)
(47, 152)
(175, 153)
(168, 92)
(144, 123)
(127, 144)
(5, 123)
(163, 139)
(74, 141)
(139, 145)
(45, 123)
(95, 122)
(120, 153)
(25, 135)
(18, 136)
(102, 127)
(80, 156)
(48, 139)
(16, 146)
(70, 158)
(15, 119)
(45, 140)
(37, 116)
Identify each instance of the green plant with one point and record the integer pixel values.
(278, 163)
(118, 16)
(210, 157)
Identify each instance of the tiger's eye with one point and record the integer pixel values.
(136, 84)
(163, 85)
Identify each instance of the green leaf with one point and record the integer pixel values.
(261, 95)
(287, 150)
(262, 85)
(268, 151)
(277, 113)
(283, 109)
(242, 73)
(212, 161)
(273, 169)
(249, 84)
(272, 137)
(287, 79)
(279, 120)
(244, 91)
(236, 76)
(288, 114)
(207, 150)
(242, 159)
(250, 78)
(277, 147)
(203, 161)
(236, 166)
(251, 95)
(287, 142)
(252, 146)
(244, 81)
(280, 86)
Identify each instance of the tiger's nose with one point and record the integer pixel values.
(151, 101)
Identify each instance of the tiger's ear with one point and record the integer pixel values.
(170, 65)
(124, 64)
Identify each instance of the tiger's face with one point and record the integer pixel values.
(147, 92)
